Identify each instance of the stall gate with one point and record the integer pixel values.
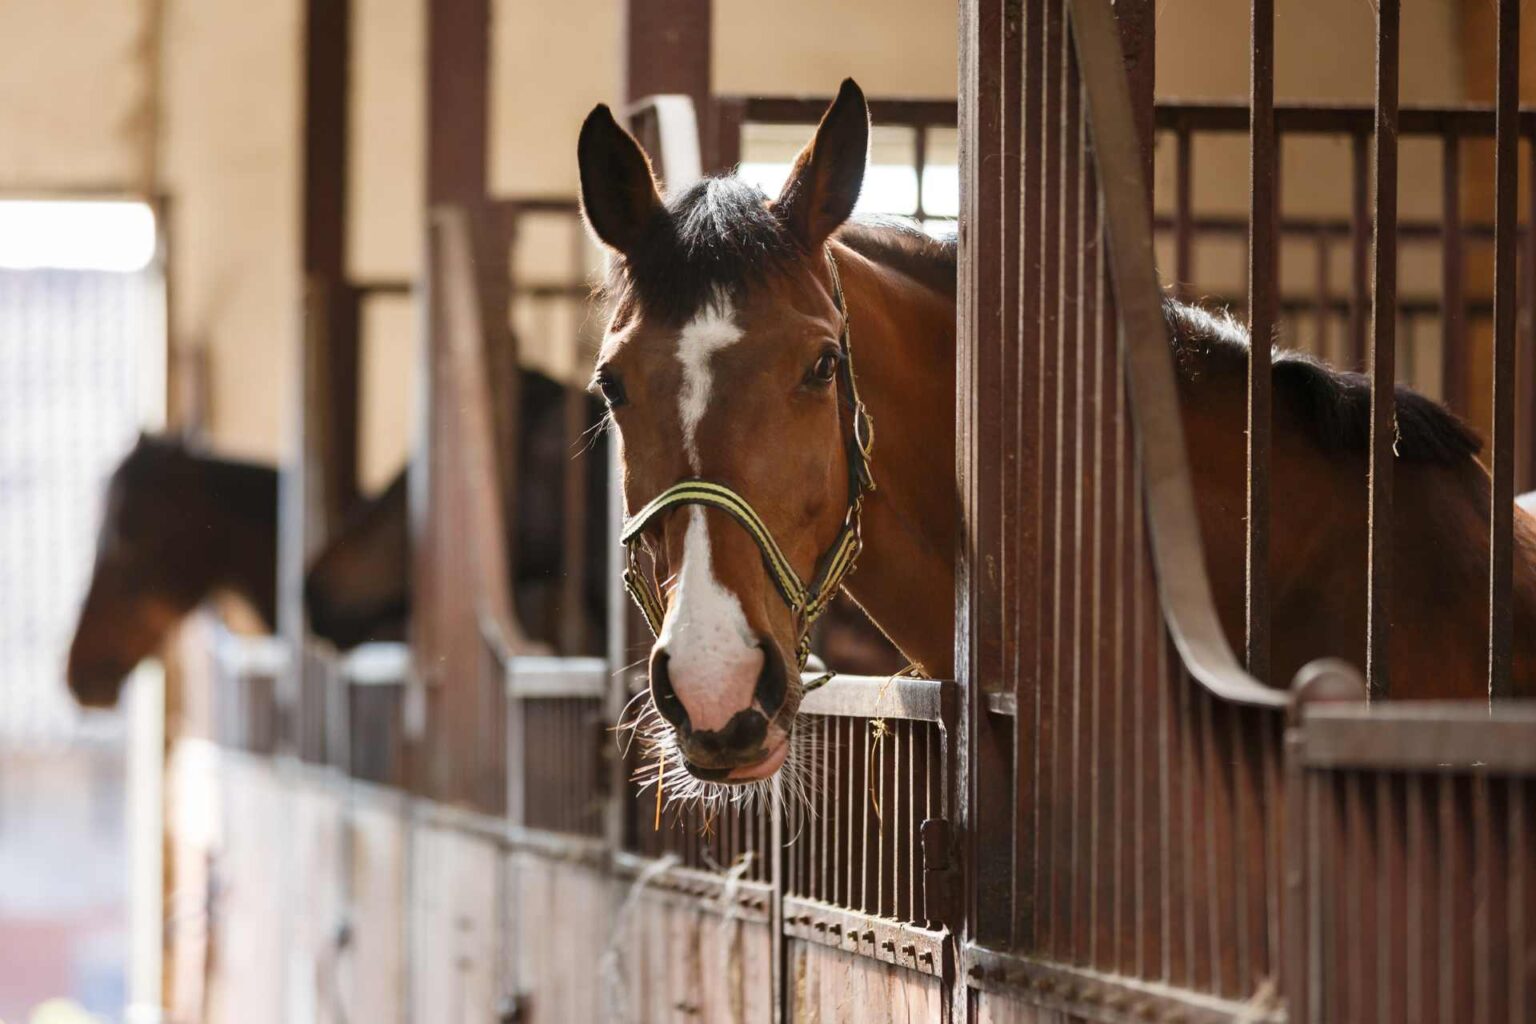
(1105, 818)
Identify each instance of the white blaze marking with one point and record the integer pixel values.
(713, 329)
(709, 644)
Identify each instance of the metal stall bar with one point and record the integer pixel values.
(1453, 322)
(1383, 357)
(1263, 286)
(1505, 300)
(1183, 582)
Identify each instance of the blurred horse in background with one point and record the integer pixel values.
(180, 526)
(177, 527)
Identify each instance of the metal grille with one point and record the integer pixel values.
(77, 350)
(1322, 262)
(1419, 864)
(564, 790)
(857, 841)
(732, 838)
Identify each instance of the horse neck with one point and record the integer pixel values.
(244, 499)
(903, 342)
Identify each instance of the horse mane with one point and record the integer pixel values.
(1333, 405)
(712, 239)
(719, 236)
(248, 488)
(905, 248)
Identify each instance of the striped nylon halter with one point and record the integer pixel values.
(805, 601)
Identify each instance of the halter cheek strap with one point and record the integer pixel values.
(805, 601)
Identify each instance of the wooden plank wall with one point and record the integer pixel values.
(830, 985)
(331, 901)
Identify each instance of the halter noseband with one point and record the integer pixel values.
(806, 602)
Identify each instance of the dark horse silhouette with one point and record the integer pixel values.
(179, 525)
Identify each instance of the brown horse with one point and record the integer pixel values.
(358, 590)
(177, 526)
(721, 362)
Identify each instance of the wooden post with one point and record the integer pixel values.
(667, 51)
(459, 521)
(319, 479)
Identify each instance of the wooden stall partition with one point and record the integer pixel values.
(1120, 768)
(252, 895)
(316, 931)
(1419, 902)
(456, 928)
(194, 820)
(373, 961)
(688, 943)
(561, 906)
(461, 605)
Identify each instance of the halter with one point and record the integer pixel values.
(805, 601)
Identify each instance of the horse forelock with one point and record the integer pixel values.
(714, 239)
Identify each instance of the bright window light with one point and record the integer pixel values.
(76, 235)
(888, 188)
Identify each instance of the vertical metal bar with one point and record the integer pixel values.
(1083, 693)
(920, 168)
(1050, 739)
(1263, 255)
(1501, 517)
(1453, 313)
(1378, 617)
(1030, 724)
(1183, 214)
(853, 813)
(864, 815)
(1525, 359)
(1360, 254)
(884, 828)
(1322, 302)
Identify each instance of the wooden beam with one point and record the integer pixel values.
(667, 51)
(458, 90)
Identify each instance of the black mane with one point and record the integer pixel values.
(1334, 405)
(903, 246)
(719, 237)
(713, 239)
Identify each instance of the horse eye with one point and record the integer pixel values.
(826, 367)
(610, 387)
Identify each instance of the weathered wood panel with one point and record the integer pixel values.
(247, 976)
(316, 910)
(374, 972)
(995, 1008)
(193, 816)
(562, 918)
(831, 985)
(454, 927)
(679, 958)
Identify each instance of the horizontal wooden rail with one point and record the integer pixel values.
(1333, 118)
(532, 676)
(376, 664)
(903, 697)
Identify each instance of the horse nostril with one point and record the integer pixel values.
(663, 696)
(772, 680)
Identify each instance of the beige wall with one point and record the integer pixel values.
(1324, 51)
(76, 79)
(74, 95)
(230, 153)
(892, 47)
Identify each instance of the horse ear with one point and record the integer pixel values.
(824, 183)
(618, 190)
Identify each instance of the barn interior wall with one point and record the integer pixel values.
(75, 75)
(83, 109)
(1324, 52)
